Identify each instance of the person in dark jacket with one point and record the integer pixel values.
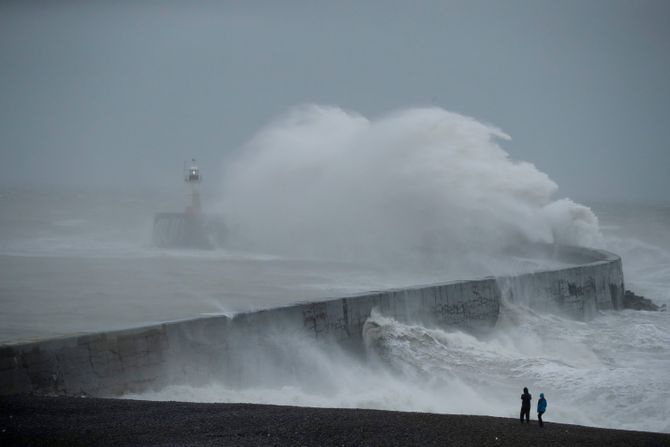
(541, 408)
(525, 405)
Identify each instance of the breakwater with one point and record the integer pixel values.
(135, 360)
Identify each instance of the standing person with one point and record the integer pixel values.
(541, 408)
(525, 405)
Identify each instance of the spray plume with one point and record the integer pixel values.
(413, 185)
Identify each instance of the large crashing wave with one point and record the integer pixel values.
(416, 183)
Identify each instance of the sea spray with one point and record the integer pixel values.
(417, 186)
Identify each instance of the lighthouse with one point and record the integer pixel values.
(193, 179)
(191, 229)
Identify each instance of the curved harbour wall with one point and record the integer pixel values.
(134, 360)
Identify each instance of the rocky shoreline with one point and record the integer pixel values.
(71, 421)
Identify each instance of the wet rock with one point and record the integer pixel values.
(637, 302)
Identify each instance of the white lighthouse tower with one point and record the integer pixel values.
(191, 229)
(192, 178)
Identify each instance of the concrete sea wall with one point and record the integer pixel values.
(135, 360)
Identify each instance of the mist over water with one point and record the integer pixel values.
(419, 185)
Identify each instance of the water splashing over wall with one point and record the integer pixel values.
(414, 186)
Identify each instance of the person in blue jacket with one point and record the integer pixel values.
(541, 408)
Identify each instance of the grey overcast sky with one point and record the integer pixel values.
(108, 93)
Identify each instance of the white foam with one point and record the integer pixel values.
(417, 185)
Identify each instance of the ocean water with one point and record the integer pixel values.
(325, 203)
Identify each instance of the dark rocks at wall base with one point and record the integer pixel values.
(637, 302)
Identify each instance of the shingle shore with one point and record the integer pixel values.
(44, 421)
